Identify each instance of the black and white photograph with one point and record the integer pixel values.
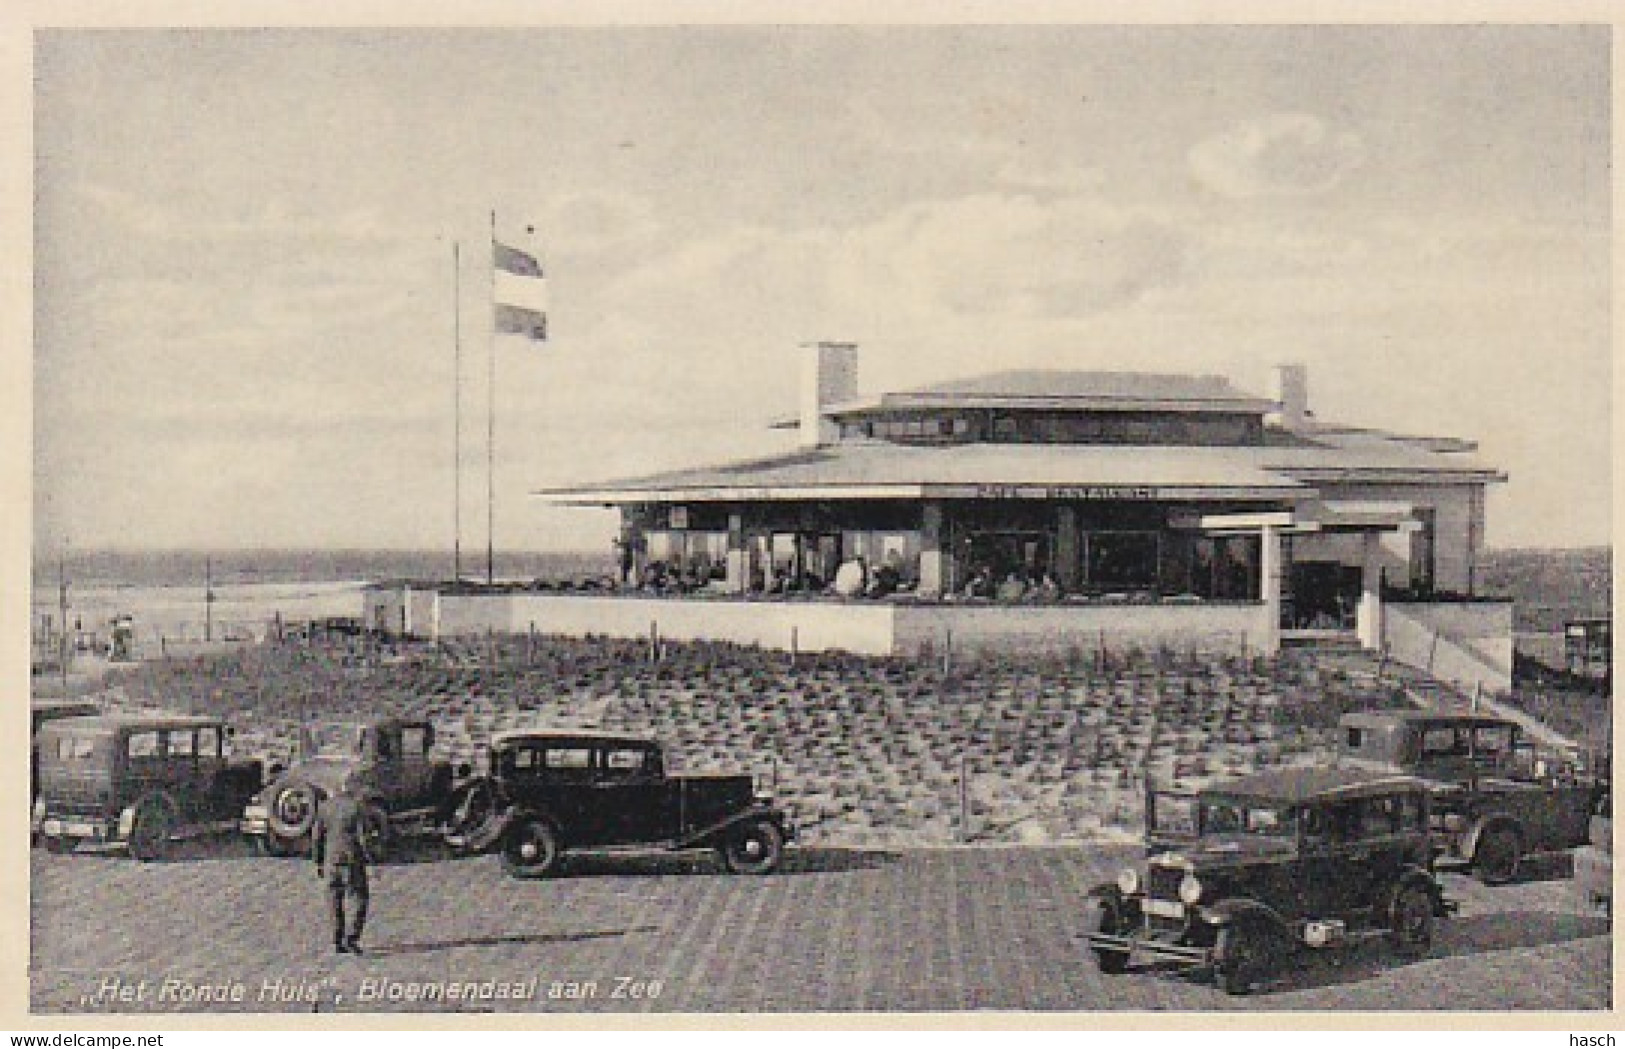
(815, 519)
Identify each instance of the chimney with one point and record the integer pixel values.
(1292, 396)
(829, 375)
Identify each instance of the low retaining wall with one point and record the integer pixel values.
(877, 628)
(1468, 643)
(1059, 629)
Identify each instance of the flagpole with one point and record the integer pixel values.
(457, 411)
(491, 423)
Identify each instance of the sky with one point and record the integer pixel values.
(247, 318)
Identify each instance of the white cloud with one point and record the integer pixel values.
(1283, 154)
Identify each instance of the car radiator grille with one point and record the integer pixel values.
(1163, 882)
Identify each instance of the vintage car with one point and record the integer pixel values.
(405, 790)
(45, 710)
(551, 792)
(1496, 799)
(1241, 875)
(1594, 862)
(138, 780)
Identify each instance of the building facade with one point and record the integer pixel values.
(1071, 489)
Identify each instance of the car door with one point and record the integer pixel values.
(1336, 872)
(573, 800)
(633, 796)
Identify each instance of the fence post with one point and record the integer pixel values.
(947, 651)
(964, 799)
(1433, 649)
(530, 645)
(795, 643)
(654, 641)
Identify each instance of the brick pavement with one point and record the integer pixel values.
(948, 930)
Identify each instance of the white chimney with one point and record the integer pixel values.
(1292, 395)
(829, 375)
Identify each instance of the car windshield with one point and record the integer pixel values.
(1174, 814)
(334, 740)
(1245, 816)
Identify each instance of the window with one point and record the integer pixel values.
(1126, 560)
(569, 758)
(208, 741)
(415, 740)
(1444, 741)
(75, 748)
(181, 743)
(1174, 814)
(521, 759)
(624, 760)
(1354, 738)
(1492, 741)
(143, 744)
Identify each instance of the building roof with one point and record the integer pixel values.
(1323, 453)
(881, 470)
(1072, 391)
(1313, 782)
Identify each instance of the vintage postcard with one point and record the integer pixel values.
(1048, 521)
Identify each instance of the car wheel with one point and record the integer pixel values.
(1410, 922)
(60, 845)
(531, 851)
(754, 848)
(292, 812)
(149, 837)
(1108, 920)
(1497, 855)
(1241, 958)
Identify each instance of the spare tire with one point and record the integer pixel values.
(291, 809)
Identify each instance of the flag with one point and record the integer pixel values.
(518, 293)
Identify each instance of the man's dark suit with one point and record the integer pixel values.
(339, 848)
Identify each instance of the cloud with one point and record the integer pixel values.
(1283, 154)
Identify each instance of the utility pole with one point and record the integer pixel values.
(64, 648)
(208, 600)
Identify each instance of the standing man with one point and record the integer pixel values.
(339, 847)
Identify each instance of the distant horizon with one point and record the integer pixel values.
(478, 557)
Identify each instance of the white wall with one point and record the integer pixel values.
(1474, 640)
(1056, 629)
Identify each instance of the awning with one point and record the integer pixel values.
(1343, 515)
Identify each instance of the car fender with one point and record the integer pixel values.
(1242, 911)
(126, 818)
(1410, 875)
(492, 830)
(1484, 824)
(713, 833)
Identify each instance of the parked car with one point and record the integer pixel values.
(138, 780)
(1496, 798)
(553, 792)
(405, 790)
(1242, 875)
(45, 710)
(1594, 862)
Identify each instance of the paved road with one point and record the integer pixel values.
(979, 929)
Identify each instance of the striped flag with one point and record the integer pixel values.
(518, 293)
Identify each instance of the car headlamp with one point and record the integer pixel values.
(1190, 890)
(1128, 881)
